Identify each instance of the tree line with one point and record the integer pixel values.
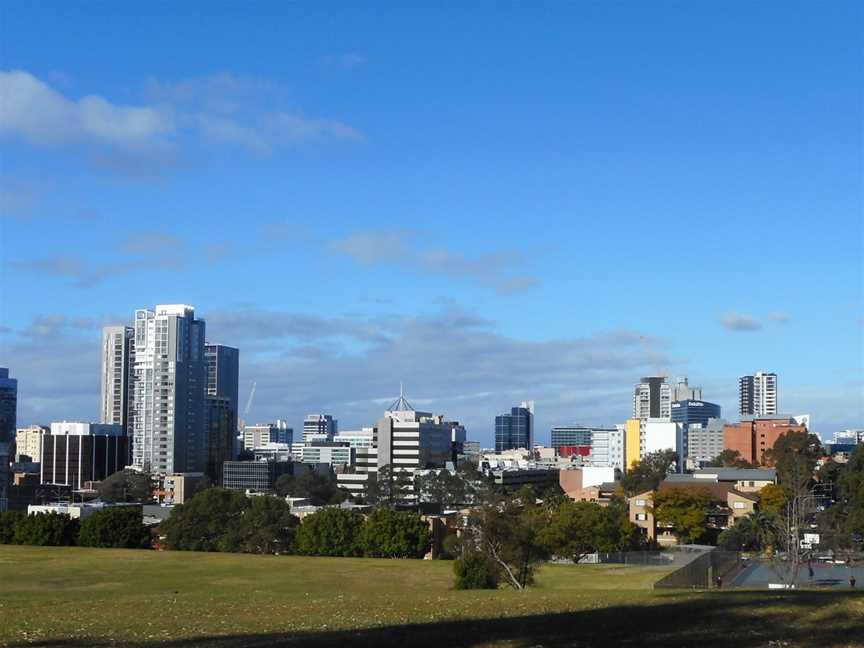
(118, 527)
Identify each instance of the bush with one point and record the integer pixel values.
(388, 534)
(330, 532)
(119, 527)
(474, 571)
(8, 521)
(46, 530)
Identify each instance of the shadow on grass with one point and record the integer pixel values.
(740, 619)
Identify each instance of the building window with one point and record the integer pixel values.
(640, 502)
(738, 505)
(641, 517)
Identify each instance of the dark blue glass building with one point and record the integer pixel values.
(514, 430)
(694, 411)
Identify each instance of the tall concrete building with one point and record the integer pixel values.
(516, 429)
(28, 442)
(652, 398)
(682, 390)
(410, 440)
(8, 422)
(169, 431)
(319, 428)
(757, 394)
(118, 376)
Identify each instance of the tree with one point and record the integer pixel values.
(444, 487)
(759, 531)
(320, 489)
(508, 533)
(201, 523)
(390, 534)
(266, 526)
(8, 521)
(330, 532)
(773, 499)
(730, 459)
(391, 486)
(646, 475)
(577, 529)
(851, 490)
(46, 530)
(474, 570)
(117, 526)
(126, 486)
(794, 455)
(685, 510)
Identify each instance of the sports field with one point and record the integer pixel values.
(94, 597)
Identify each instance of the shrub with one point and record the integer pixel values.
(46, 530)
(330, 532)
(474, 571)
(119, 527)
(390, 534)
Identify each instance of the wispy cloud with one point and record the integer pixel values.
(779, 317)
(344, 61)
(140, 141)
(740, 322)
(491, 269)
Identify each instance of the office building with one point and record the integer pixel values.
(169, 431)
(704, 441)
(74, 453)
(330, 454)
(254, 476)
(753, 436)
(757, 394)
(647, 436)
(118, 376)
(632, 442)
(694, 411)
(516, 429)
(178, 488)
(223, 376)
(848, 437)
(8, 423)
(319, 427)
(607, 448)
(682, 391)
(410, 440)
(571, 440)
(28, 442)
(652, 398)
(221, 436)
(363, 438)
(256, 436)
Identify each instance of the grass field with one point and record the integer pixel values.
(94, 597)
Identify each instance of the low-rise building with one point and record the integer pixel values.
(253, 476)
(178, 488)
(753, 436)
(77, 511)
(512, 479)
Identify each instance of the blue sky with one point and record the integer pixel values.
(490, 202)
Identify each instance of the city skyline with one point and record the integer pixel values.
(352, 210)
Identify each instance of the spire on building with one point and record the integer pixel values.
(400, 404)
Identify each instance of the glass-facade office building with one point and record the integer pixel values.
(575, 436)
(514, 430)
(694, 411)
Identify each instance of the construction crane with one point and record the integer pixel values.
(249, 402)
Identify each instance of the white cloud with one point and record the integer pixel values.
(740, 322)
(32, 110)
(780, 318)
(490, 269)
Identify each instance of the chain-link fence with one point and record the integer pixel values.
(701, 571)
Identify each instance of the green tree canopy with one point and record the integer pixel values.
(330, 532)
(117, 526)
(759, 531)
(851, 483)
(265, 526)
(508, 532)
(319, 488)
(646, 474)
(474, 570)
(8, 521)
(390, 534)
(577, 529)
(794, 455)
(126, 486)
(685, 510)
(201, 523)
(730, 459)
(46, 530)
(773, 499)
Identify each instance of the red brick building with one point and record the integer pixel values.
(752, 437)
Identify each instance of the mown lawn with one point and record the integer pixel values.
(88, 597)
